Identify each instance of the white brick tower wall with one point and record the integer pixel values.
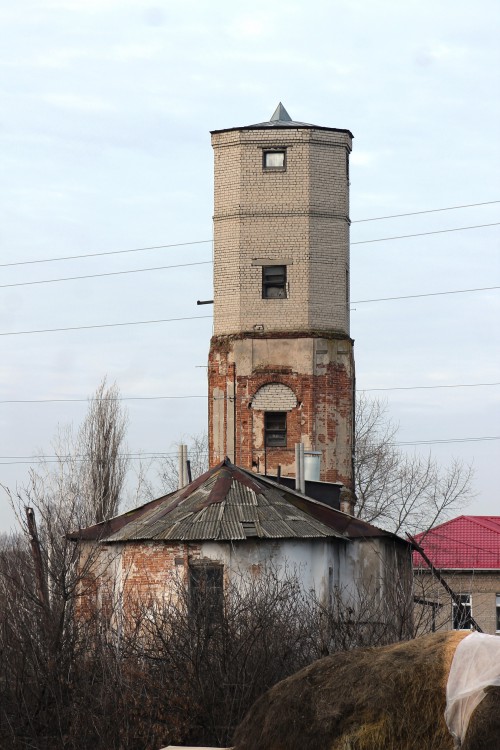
(288, 353)
(298, 216)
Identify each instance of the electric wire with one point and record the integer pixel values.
(424, 234)
(109, 252)
(160, 398)
(108, 273)
(426, 294)
(105, 325)
(427, 211)
(202, 242)
(200, 317)
(208, 262)
(448, 440)
(41, 459)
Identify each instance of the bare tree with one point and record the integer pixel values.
(100, 443)
(43, 576)
(400, 491)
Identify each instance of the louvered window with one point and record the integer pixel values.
(275, 429)
(273, 282)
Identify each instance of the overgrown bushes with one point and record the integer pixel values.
(168, 672)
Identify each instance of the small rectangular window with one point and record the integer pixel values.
(498, 612)
(273, 282)
(275, 429)
(461, 615)
(274, 159)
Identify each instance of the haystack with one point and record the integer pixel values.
(388, 698)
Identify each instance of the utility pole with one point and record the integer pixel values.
(37, 558)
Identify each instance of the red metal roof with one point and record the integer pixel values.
(464, 543)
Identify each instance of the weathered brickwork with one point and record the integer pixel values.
(319, 371)
(298, 217)
(125, 578)
(274, 397)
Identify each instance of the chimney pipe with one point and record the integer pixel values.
(300, 480)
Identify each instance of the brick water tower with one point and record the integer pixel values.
(281, 364)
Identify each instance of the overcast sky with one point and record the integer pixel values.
(106, 108)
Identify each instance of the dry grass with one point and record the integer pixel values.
(388, 698)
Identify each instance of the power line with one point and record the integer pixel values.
(202, 242)
(106, 325)
(207, 262)
(200, 317)
(427, 294)
(82, 456)
(42, 459)
(428, 211)
(86, 400)
(424, 234)
(159, 398)
(109, 273)
(110, 252)
(424, 387)
(449, 440)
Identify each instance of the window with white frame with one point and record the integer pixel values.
(462, 614)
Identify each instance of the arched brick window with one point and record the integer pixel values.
(275, 400)
(274, 397)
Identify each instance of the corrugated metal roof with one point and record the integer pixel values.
(215, 505)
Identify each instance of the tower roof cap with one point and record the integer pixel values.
(280, 114)
(281, 119)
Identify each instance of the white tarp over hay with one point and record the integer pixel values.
(475, 666)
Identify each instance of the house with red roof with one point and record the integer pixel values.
(466, 551)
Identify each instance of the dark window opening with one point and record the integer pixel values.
(273, 282)
(275, 429)
(275, 159)
(206, 593)
(462, 615)
(498, 611)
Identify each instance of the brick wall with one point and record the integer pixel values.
(319, 372)
(274, 397)
(483, 586)
(299, 216)
(122, 577)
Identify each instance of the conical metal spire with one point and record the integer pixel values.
(280, 114)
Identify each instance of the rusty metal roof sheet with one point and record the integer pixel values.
(228, 503)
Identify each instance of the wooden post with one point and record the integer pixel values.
(37, 558)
